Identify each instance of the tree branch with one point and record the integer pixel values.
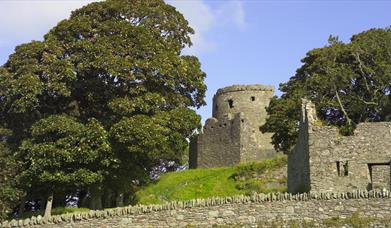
(341, 106)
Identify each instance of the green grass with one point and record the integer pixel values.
(55, 211)
(355, 220)
(215, 182)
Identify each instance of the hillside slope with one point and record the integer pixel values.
(261, 176)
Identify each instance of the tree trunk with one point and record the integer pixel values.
(22, 206)
(83, 199)
(341, 106)
(129, 198)
(96, 199)
(48, 209)
(119, 199)
(106, 199)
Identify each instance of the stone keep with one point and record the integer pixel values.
(233, 133)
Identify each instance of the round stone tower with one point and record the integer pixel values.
(233, 134)
(251, 100)
(248, 103)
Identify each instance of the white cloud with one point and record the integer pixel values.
(203, 19)
(232, 12)
(22, 21)
(25, 20)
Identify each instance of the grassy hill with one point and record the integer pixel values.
(262, 176)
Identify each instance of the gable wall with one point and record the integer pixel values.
(371, 143)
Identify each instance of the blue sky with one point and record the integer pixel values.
(237, 42)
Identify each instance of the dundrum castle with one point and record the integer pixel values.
(329, 176)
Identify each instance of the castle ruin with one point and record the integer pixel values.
(324, 160)
(233, 133)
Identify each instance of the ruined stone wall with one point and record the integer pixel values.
(329, 161)
(234, 131)
(298, 159)
(218, 145)
(249, 210)
(341, 163)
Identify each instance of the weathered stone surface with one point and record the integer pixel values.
(324, 160)
(233, 133)
(301, 207)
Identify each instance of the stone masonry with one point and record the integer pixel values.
(233, 133)
(251, 211)
(324, 160)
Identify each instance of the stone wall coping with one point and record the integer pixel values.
(360, 126)
(209, 202)
(236, 88)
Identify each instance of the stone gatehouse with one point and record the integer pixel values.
(233, 133)
(323, 160)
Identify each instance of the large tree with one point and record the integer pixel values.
(9, 193)
(63, 154)
(119, 62)
(349, 83)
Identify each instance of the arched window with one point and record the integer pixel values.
(231, 103)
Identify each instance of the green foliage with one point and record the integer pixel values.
(63, 153)
(204, 183)
(102, 98)
(348, 82)
(9, 193)
(161, 135)
(347, 129)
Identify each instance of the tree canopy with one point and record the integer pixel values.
(9, 193)
(107, 90)
(348, 82)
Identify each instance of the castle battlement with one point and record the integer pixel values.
(236, 88)
(233, 133)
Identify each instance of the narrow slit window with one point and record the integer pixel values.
(231, 103)
(252, 98)
(338, 168)
(346, 168)
(342, 168)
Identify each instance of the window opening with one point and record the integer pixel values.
(231, 103)
(379, 175)
(252, 98)
(338, 168)
(345, 168)
(342, 168)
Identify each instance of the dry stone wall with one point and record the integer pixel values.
(249, 210)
